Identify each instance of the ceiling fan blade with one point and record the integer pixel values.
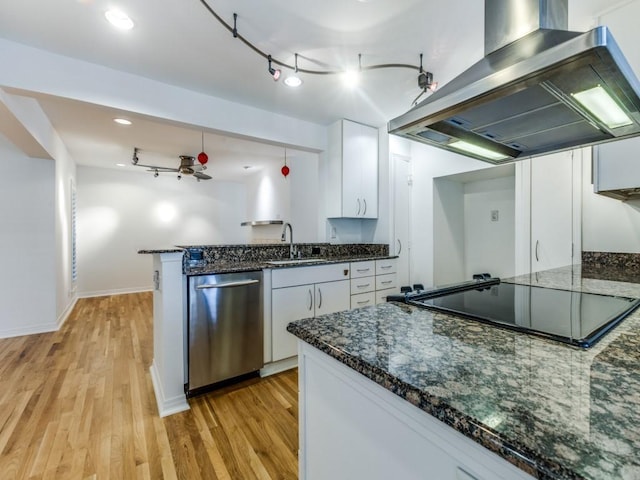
(159, 169)
(202, 176)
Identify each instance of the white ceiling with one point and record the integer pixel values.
(180, 43)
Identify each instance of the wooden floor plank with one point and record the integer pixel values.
(79, 404)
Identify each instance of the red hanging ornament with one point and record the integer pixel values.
(285, 170)
(203, 158)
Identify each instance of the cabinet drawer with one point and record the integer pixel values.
(386, 266)
(381, 295)
(363, 300)
(363, 285)
(384, 282)
(363, 269)
(288, 277)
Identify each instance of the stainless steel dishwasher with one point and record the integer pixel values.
(225, 327)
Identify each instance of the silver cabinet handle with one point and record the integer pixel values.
(362, 270)
(399, 246)
(227, 284)
(310, 300)
(358, 212)
(384, 267)
(364, 200)
(386, 282)
(537, 245)
(363, 302)
(320, 299)
(364, 285)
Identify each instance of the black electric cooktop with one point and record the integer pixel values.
(576, 318)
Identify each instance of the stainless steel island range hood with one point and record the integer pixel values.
(539, 89)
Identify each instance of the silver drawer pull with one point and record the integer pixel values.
(386, 282)
(227, 284)
(363, 302)
(363, 286)
(384, 267)
(362, 270)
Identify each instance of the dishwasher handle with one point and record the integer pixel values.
(240, 283)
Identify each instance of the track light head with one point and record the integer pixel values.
(274, 72)
(425, 79)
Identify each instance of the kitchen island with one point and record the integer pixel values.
(552, 410)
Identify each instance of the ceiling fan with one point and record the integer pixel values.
(187, 166)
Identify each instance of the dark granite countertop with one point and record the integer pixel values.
(152, 251)
(230, 266)
(555, 411)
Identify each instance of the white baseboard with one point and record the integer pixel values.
(279, 366)
(30, 330)
(67, 311)
(166, 406)
(115, 291)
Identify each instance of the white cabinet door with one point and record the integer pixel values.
(352, 171)
(332, 297)
(352, 204)
(289, 304)
(551, 211)
(369, 171)
(401, 216)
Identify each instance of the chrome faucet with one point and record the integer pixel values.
(292, 250)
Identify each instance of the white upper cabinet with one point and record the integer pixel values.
(616, 169)
(353, 170)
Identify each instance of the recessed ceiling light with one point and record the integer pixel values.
(120, 165)
(293, 81)
(119, 19)
(122, 121)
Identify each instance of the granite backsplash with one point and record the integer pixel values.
(261, 253)
(621, 267)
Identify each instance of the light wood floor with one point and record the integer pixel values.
(79, 403)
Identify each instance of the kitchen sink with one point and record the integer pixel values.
(296, 261)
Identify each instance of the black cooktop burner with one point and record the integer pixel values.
(577, 318)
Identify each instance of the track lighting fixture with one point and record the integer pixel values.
(424, 78)
(425, 82)
(294, 80)
(275, 72)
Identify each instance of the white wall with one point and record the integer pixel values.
(489, 246)
(121, 212)
(294, 199)
(304, 198)
(27, 243)
(466, 240)
(429, 162)
(448, 232)
(30, 129)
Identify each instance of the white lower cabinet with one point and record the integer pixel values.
(305, 292)
(372, 281)
(352, 428)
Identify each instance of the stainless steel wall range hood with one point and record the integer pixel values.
(539, 89)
